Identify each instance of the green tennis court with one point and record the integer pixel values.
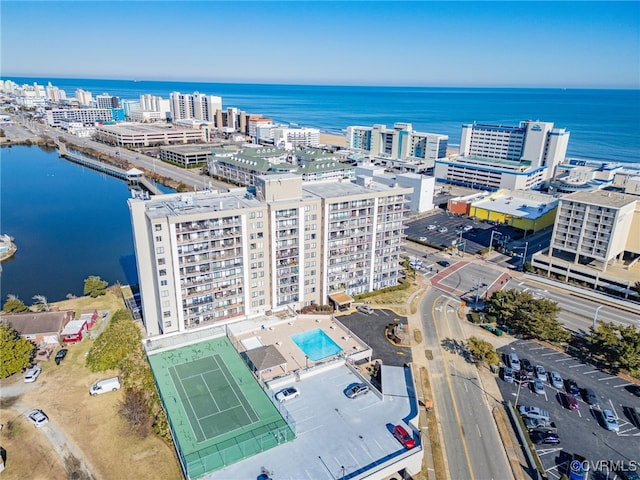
(218, 413)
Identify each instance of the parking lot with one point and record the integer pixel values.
(580, 431)
(370, 329)
(443, 228)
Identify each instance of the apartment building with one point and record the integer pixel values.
(206, 257)
(107, 101)
(399, 142)
(196, 106)
(497, 156)
(84, 97)
(87, 116)
(595, 240)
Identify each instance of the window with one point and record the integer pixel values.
(161, 261)
(166, 314)
(162, 272)
(157, 227)
(166, 304)
(158, 238)
(163, 283)
(165, 293)
(167, 323)
(159, 250)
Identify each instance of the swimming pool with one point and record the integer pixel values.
(316, 344)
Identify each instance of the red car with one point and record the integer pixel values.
(571, 402)
(403, 437)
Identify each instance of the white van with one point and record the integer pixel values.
(514, 362)
(107, 385)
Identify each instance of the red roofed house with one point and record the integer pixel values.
(74, 331)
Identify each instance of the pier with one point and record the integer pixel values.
(133, 176)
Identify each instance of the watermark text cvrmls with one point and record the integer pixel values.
(605, 466)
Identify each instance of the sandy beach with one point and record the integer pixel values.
(332, 139)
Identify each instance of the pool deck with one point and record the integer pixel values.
(278, 331)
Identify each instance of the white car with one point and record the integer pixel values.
(431, 227)
(287, 394)
(556, 380)
(32, 374)
(466, 228)
(37, 417)
(541, 373)
(443, 229)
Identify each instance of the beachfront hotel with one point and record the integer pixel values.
(195, 106)
(494, 157)
(399, 142)
(212, 258)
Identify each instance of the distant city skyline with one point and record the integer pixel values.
(476, 44)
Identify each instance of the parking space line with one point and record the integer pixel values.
(590, 371)
(578, 365)
(552, 353)
(622, 385)
(606, 378)
(563, 359)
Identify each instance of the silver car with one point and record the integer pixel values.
(32, 374)
(357, 390)
(38, 418)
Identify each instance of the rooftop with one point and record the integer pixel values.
(517, 203)
(604, 198)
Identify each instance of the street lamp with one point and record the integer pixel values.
(478, 290)
(524, 257)
(595, 317)
(493, 232)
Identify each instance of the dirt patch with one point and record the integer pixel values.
(91, 423)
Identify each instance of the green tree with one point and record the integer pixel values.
(483, 350)
(605, 341)
(14, 305)
(537, 318)
(94, 286)
(16, 352)
(121, 337)
(629, 357)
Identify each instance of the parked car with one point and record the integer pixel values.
(466, 228)
(538, 388)
(60, 355)
(365, 309)
(635, 415)
(534, 412)
(287, 394)
(527, 366)
(523, 377)
(443, 230)
(103, 386)
(610, 421)
(571, 387)
(538, 425)
(403, 437)
(556, 380)
(31, 375)
(513, 361)
(357, 390)
(431, 227)
(548, 438)
(507, 375)
(443, 263)
(37, 417)
(570, 402)
(589, 396)
(541, 373)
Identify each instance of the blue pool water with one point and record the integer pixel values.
(316, 344)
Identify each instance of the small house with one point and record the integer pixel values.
(74, 332)
(39, 327)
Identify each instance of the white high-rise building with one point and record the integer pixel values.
(84, 97)
(206, 258)
(505, 157)
(107, 101)
(196, 106)
(399, 142)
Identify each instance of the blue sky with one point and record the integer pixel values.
(546, 44)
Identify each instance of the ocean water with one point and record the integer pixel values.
(604, 124)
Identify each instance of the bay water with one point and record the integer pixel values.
(68, 222)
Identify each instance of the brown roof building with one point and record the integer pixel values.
(39, 327)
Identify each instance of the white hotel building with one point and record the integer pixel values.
(205, 258)
(498, 157)
(197, 106)
(399, 142)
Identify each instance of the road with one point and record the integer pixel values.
(194, 179)
(469, 432)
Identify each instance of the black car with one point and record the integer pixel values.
(541, 437)
(572, 387)
(60, 355)
(443, 263)
(526, 365)
(589, 396)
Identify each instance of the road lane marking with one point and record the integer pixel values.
(478, 428)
